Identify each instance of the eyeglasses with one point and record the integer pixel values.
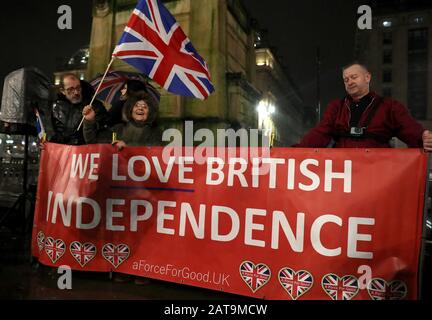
(72, 90)
(140, 105)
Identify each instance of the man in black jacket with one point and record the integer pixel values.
(74, 95)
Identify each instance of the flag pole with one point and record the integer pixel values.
(97, 90)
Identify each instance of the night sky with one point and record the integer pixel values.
(30, 37)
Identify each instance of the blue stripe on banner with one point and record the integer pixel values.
(151, 188)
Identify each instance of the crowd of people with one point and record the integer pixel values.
(132, 119)
(362, 119)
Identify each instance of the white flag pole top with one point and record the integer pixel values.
(41, 126)
(97, 90)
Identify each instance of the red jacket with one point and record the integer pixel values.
(391, 119)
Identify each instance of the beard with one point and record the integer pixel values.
(76, 100)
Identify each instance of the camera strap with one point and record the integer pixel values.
(366, 135)
(374, 107)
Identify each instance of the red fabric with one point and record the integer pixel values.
(116, 213)
(392, 119)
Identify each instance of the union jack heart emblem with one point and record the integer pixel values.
(40, 240)
(115, 255)
(297, 283)
(54, 248)
(82, 253)
(345, 288)
(255, 276)
(379, 289)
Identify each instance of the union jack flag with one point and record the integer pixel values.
(82, 253)
(39, 126)
(40, 240)
(116, 255)
(340, 289)
(255, 276)
(154, 43)
(295, 283)
(55, 249)
(114, 81)
(379, 289)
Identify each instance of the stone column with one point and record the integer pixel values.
(101, 41)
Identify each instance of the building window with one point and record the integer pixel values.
(417, 20)
(418, 72)
(387, 37)
(417, 39)
(387, 57)
(387, 76)
(264, 58)
(258, 40)
(387, 23)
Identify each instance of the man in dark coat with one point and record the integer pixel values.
(365, 120)
(66, 114)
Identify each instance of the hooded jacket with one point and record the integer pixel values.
(67, 116)
(391, 119)
(131, 132)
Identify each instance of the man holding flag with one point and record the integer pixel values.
(67, 109)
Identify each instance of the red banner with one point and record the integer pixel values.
(335, 224)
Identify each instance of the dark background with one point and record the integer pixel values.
(30, 37)
(298, 28)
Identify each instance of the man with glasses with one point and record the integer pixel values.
(74, 95)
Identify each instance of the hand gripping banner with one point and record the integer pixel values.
(335, 224)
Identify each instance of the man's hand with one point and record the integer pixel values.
(42, 145)
(427, 140)
(88, 113)
(119, 144)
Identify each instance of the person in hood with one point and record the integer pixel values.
(130, 87)
(363, 119)
(66, 112)
(138, 128)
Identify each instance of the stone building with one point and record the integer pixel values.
(223, 34)
(398, 51)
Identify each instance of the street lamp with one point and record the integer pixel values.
(265, 110)
(271, 109)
